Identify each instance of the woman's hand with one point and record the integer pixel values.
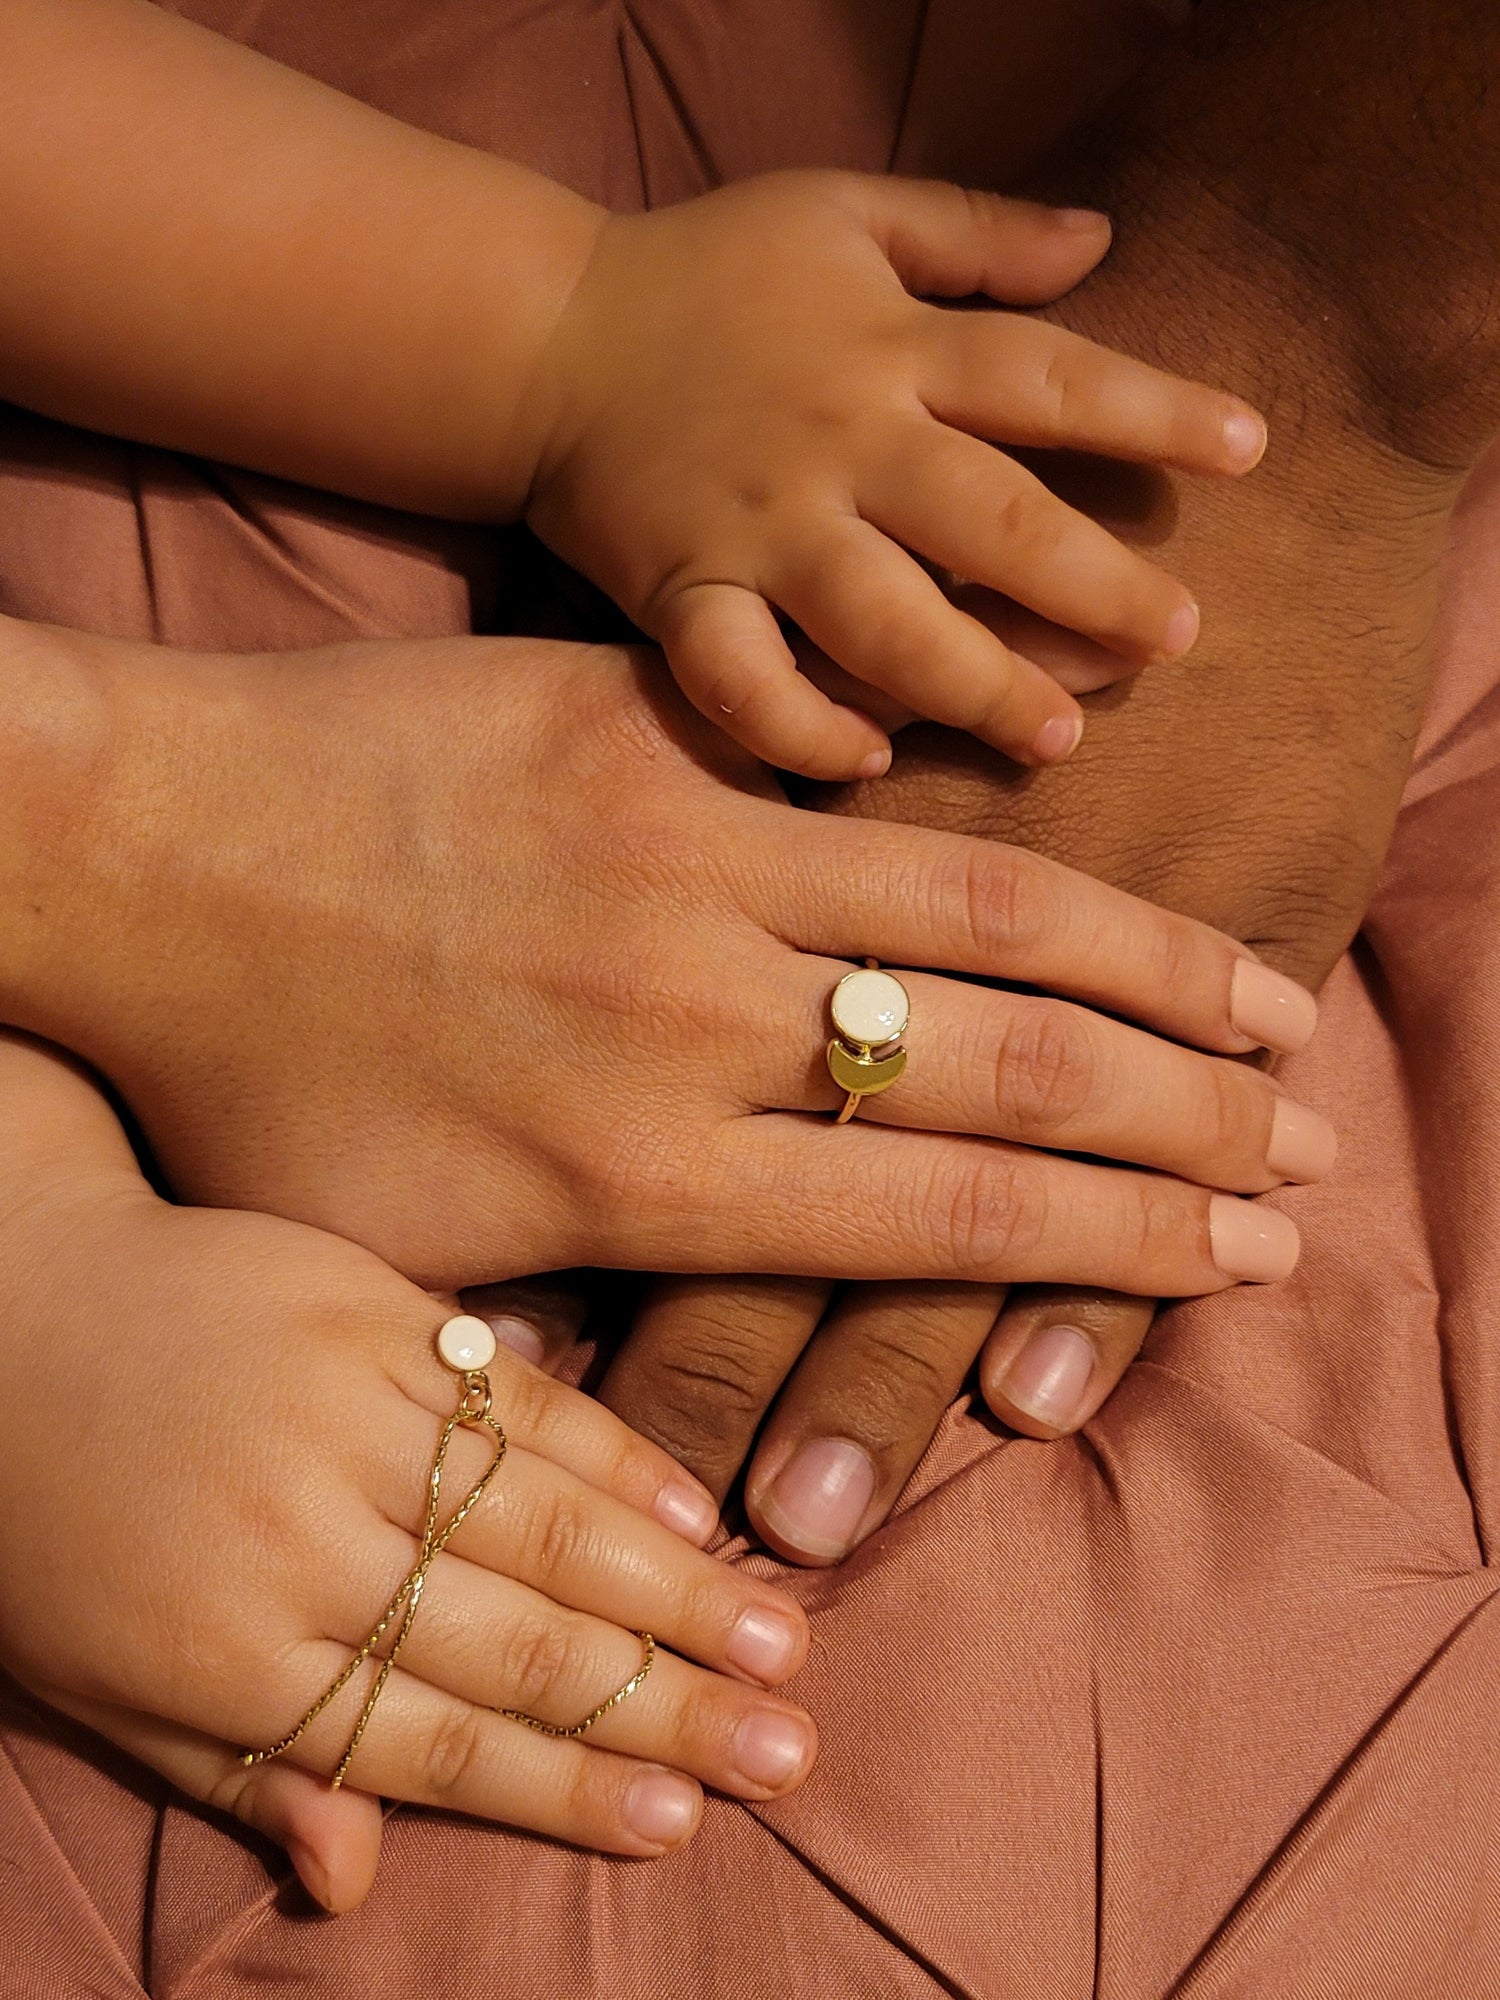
(216, 1432)
(748, 411)
(495, 959)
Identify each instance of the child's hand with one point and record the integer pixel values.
(750, 411)
(216, 1433)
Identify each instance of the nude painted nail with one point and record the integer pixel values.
(1244, 439)
(1303, 1144)
(1251, 1242)
(1270, 1008)
(1057, 739)
(1182, 629)
(771, 1748)
(520, 1337)
(662, 1808)
(817, 1502)
(765, 1644)
(688, 1511)
(1049, 1379)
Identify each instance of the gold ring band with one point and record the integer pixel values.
(871, 1010)
(648, 1661)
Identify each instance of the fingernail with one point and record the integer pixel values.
(875, 765)
(310, 1872)
(1057, 739)
(688, 1511)
(520, 1337)
(1303, 1144)
(1182, 629)
(1049, 1379)
(663, 1808)
(764, 1644)
(771, 1748)
(1270, 1008)
(1244, 439)
(1082, 219)
(818, 1501)
(1250, 1241)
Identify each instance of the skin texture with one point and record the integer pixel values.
(1316, 183)
(121, 1611)
(724, 409)
(501, 1033)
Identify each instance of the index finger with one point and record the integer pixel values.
(1023, 382)
(853, 889)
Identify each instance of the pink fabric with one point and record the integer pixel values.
(1200, 1704)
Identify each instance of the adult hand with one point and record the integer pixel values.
(494, 958)
(211, 1576)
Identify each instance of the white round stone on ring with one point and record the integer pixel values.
(870, 1008)
(466, 1343)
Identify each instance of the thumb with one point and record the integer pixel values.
(332, 1838)
(951, 242)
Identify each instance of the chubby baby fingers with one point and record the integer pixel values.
(973, 510)
(727, 654)
(870, 607)
(1022, 382)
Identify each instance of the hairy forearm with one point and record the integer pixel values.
(207, 251)
(1259, 194)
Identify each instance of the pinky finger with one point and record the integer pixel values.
(332, 1838)
(1056, 1354)
(729, 657)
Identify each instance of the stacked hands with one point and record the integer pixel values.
(469, 959)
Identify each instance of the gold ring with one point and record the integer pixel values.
(870, 1011)
(648, 1661)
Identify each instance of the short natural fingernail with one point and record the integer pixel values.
(1086, 221)
(1049, 1379)
(1182, 629)
(817, 1502)
(310, 1872)
(1057, 739)
(1244, 439)
(1303, 1144)
(765, 1644)
(1270, 1008)
(662, 1807)
(520, 1337)
(1251, 1242)
(875, 765)
(688, 1511)
(772, 1749)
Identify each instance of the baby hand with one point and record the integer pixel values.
(749, 410)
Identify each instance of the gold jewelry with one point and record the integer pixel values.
(870, 1011)
(596, 1715)
(467, 1346)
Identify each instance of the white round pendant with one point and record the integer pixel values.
(870, 1008)
(466, 1343)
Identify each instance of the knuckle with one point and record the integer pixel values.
(982, 1221)
(992, 892)
(537, 1664)
(1046, 1068)
(561, 1539)
(1031, 522)
(450, 1756)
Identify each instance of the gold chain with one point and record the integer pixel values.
(583, 1728)
(473, 1409)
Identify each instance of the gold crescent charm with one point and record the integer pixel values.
(863, 1076)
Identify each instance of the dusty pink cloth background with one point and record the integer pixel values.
(1200, 1704)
